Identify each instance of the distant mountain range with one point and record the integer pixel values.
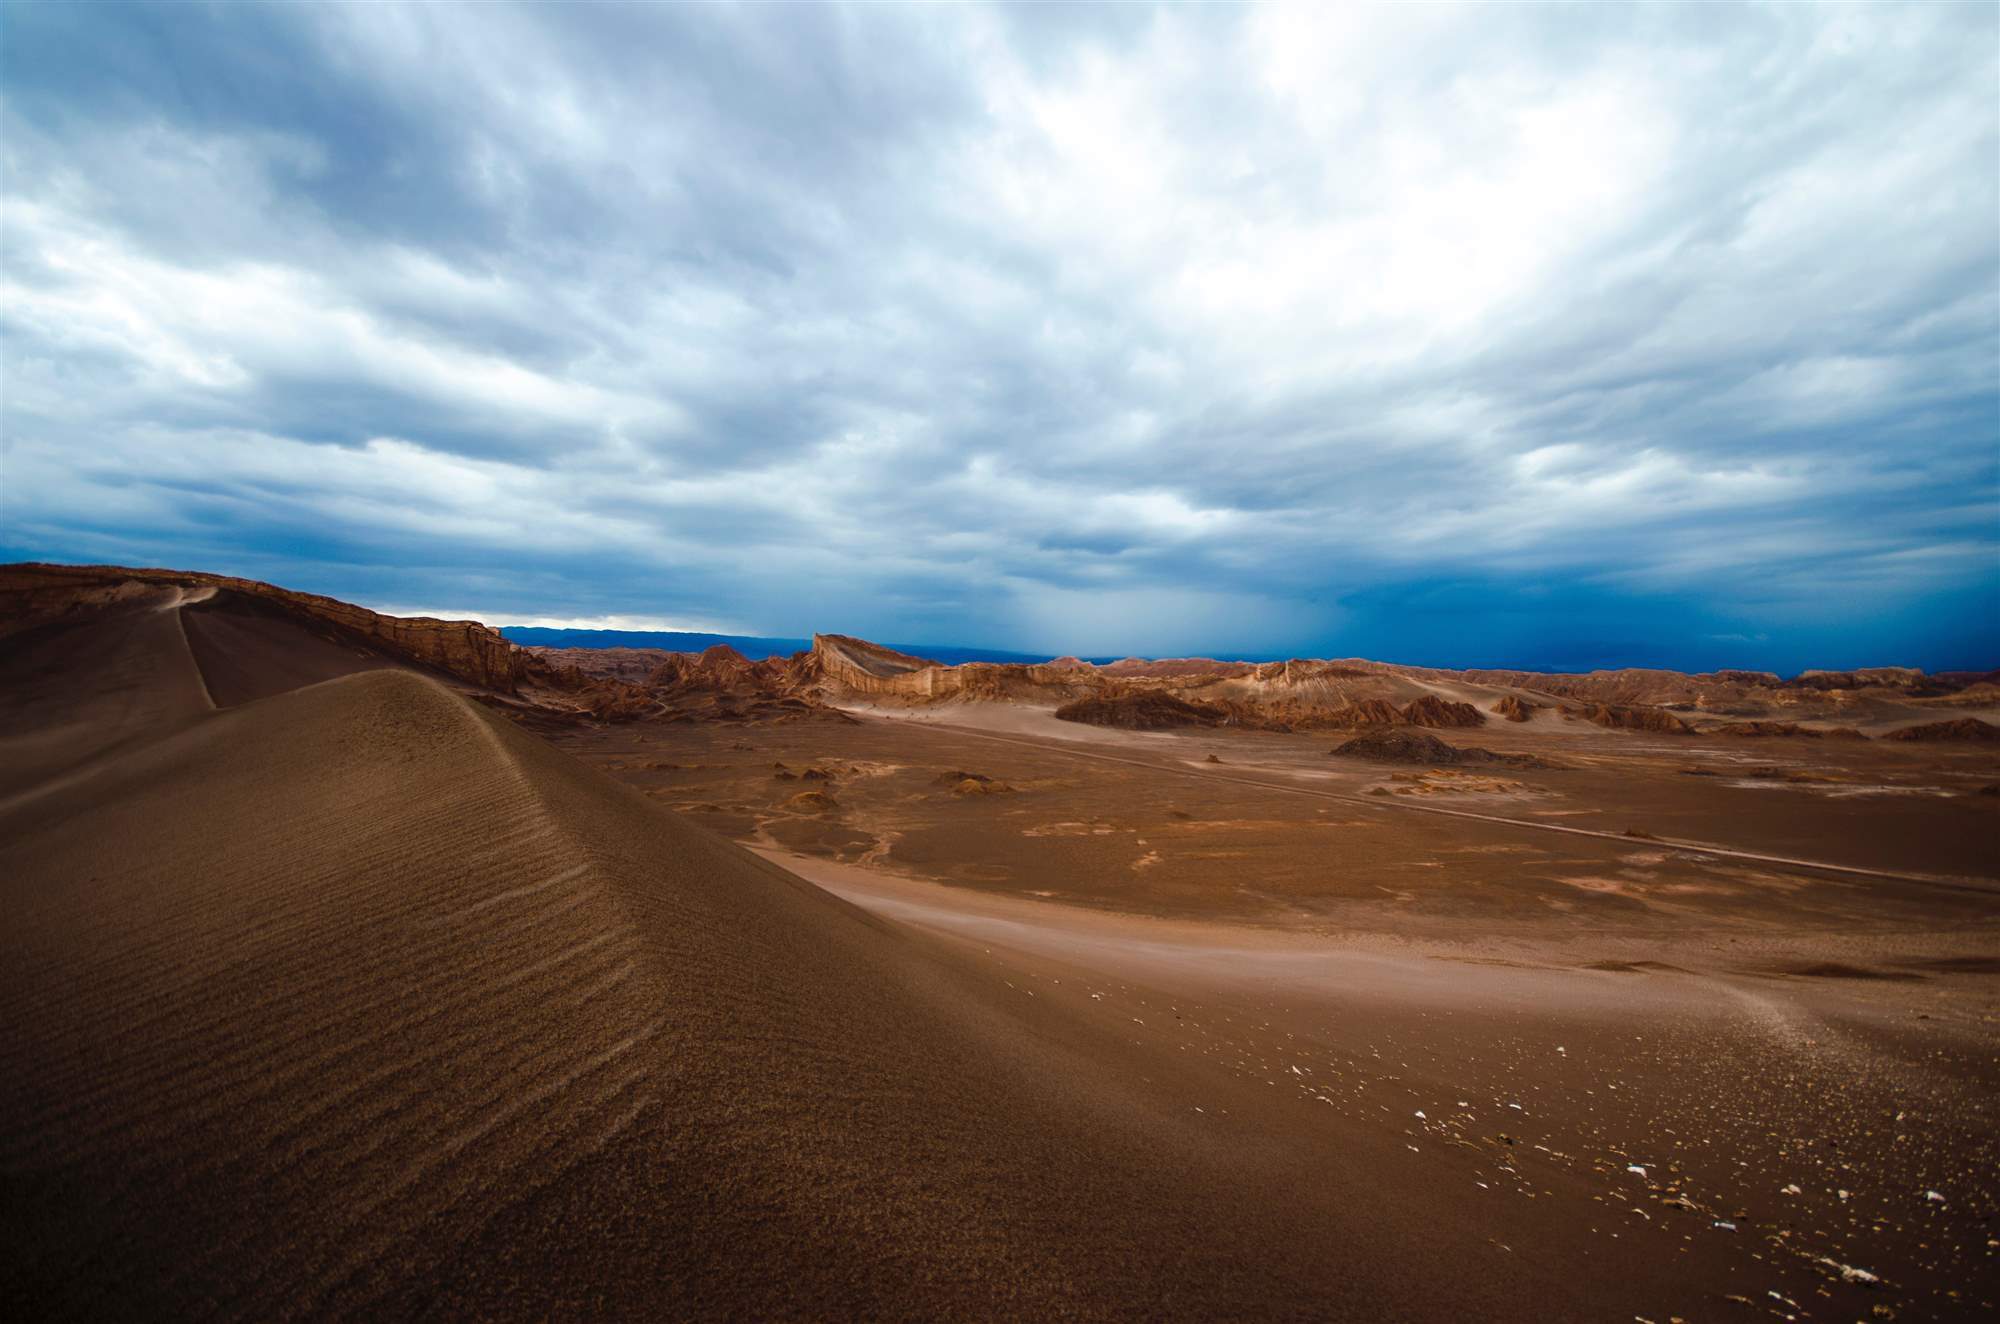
(751, 646)
(672, 641)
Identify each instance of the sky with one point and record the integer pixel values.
(1514, 335)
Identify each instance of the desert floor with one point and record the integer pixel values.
(1728, 1005)
(327, 991)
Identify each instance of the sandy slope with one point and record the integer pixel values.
(73, 692)
(353, 1000)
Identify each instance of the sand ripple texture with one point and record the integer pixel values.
(355, 1001)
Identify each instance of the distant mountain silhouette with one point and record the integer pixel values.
(752, 647)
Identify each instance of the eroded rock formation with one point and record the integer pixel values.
(1392, 745)
(1142, 710)
(1620, 717)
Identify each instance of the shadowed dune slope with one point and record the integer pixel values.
(77, 691)
(354, 1000)
(251, 649)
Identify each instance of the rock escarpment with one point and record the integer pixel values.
(33, 594)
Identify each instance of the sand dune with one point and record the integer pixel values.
(354, 999)
(77, 691)
(327, 991)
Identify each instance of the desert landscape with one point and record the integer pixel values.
(360, 965)
(1000, 662)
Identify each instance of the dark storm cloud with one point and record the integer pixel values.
(1409, 331)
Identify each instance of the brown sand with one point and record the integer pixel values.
(353, 999)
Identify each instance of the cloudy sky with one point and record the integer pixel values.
(1513, 335)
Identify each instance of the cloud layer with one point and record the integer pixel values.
(1512, 334)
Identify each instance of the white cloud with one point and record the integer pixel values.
(940, 309)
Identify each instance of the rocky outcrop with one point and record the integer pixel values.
(633, 665)
(1431, 711)
(1367, 712)
(864, 668)
(718, 684)
(1516, 709)
(1426, 711)
(616, 701)
(1957, 729)
(1142, 710)
(1407, 746)
(840, 666)
(1619, 718)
